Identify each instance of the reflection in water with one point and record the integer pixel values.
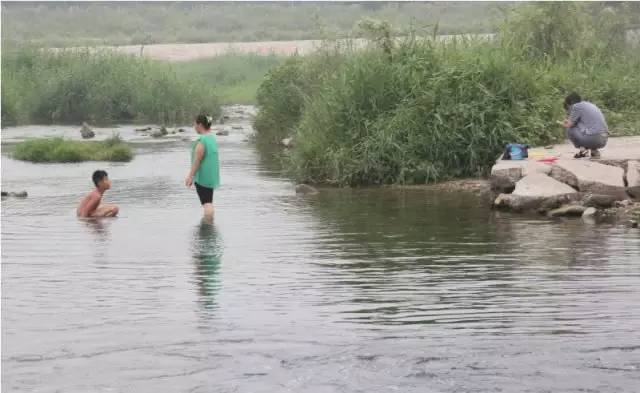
(206, 255)
(99, 228)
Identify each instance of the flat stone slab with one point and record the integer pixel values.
(542, 186)
(633, 178)
(590, 176)
(505, 173)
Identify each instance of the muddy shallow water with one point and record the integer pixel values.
(349, 290)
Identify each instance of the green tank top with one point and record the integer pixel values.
(208, 175)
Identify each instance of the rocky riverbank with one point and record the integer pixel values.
(552, 182)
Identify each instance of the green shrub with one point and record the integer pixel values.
(423, 111)
(63, 150)
(70, 87)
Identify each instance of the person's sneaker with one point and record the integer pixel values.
(595, 153)
(581, 154)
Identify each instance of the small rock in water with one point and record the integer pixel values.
(86, 132)
(634, 224)
(185, 139)
(287, 142)
(568, 210)
(19, 194)
(306, 189)
(143, 129)
(222, 133)
(589, 212)
(160, 133)
(236, 127)
(181, 130)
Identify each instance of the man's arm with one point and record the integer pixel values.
(574, 116)
(92, 204)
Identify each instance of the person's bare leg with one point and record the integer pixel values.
(208, 209)
(107, 210)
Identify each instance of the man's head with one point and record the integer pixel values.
(571, 99)
(101, 180)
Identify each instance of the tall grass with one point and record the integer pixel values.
(100, 88)
(235, 77)
(63, 150)
(424, 111)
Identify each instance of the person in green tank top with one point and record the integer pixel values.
(205, 166)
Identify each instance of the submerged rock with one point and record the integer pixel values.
(222, 133)
(568, 210)
(19, 194)
(160, 132)
(589, 176)
(589, 212)
(236, 127)
(86, 132)
(306, 189)
(144, 129)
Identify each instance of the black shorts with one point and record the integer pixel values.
(204, 193)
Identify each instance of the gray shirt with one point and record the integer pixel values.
(587, 118)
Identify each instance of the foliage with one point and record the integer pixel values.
(64, 150)
(423, 110)
(99, 87)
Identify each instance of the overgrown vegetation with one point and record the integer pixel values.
(74, 86)
(70, 24)
(423, 111)
(64, 150)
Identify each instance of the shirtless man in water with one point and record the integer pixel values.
(90, 205)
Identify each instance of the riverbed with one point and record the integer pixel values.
(350, 290)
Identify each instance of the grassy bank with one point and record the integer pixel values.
(74, 86)
(63, 150)
(422, 111)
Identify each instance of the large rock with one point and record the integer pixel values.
(505, 173)
(590, 176)
(537, 190)
(633, 178)
(86, 132)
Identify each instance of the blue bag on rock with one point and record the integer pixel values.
(515, 151)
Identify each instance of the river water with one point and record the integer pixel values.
(346, 291)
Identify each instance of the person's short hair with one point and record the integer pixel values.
(205, 120)
(98, 176)
(571, 99)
